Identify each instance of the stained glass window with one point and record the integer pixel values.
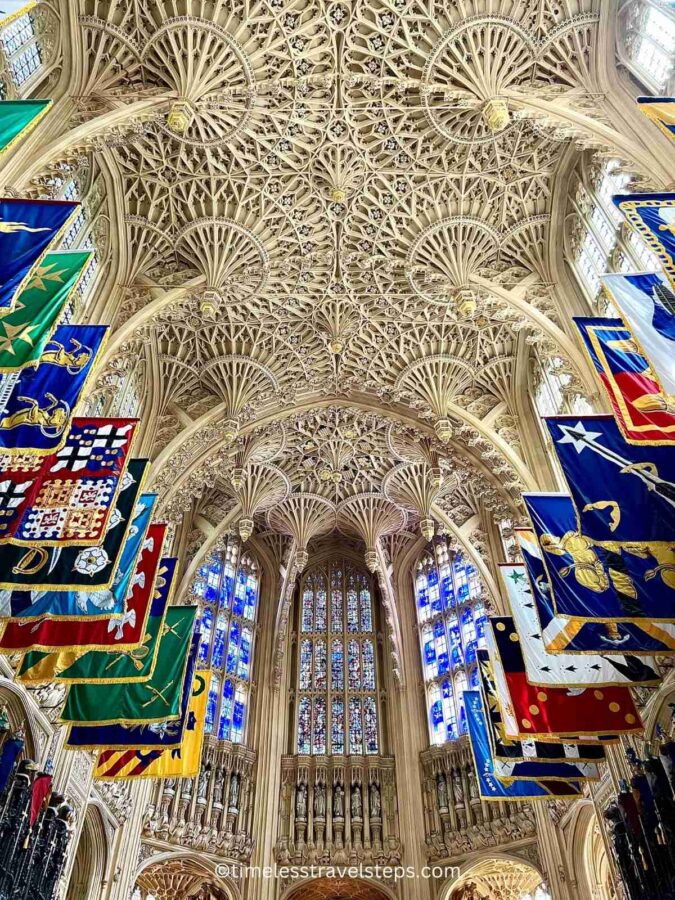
(451, 620)
(337, 669)
(226, 588)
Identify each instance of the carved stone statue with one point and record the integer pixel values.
(457, 786)
(234, 791)
(375, 802)
(202, 784)
(442, 791)
(338, 801)
(357, 802)
(301, 801)
(473, 786)
(319, 801)
(219, 786)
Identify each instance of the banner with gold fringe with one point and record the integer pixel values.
(178, 762)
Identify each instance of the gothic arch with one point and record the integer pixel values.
(339, 889)
(91, 858)
(488, 870)
(176, 875)
(22, 714)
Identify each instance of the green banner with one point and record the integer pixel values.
(17, 117)
(155, 700)
(30, 323)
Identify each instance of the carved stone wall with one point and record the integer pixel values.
(457, 822)
(338, 809)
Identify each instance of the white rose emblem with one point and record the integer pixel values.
(91, 561)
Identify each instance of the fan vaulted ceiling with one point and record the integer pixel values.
(334, 223)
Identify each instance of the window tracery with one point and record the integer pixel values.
(337, 681)
(227, 588)
(21, 54)
(647, 43)
(602, 243)
(451, 620)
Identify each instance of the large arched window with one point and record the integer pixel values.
(451, 620)
(227, 588)
(646, 43)
(337, 671)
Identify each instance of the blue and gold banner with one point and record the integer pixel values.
(27, 228)
(584, 637)
(105, 604)
(622, 492)
(661, 111)
(489, 786)
(143, 733)
(545, 668)
(72, 568)
(643, 411)
(597, 581)
(653, 217)
(646, 303)
(36, 404)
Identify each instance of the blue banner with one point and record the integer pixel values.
(560, 634)
(600, 582)
(661, 110)
(103, 604)
(143, 735)
(27, 227)
(489, 786)
(622, 492)
(36, 404)
(653, 217)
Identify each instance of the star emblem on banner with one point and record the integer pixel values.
(43, 275)
(12, 333)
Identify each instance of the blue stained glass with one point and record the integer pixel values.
(320, 675)
(441, 648)
(239, 594)
(226, 711)
(370, 724)
(243, 669)
(366, 610)
(436, 712)
(456, 656)
(307, 609)
(434, 592)
(352, 610)
(210, 594)
(460, 687)
(354, 665)
(319, 738)
(251, 598)
(219, 641)
(238, 718)
(368, 665)
(474, 678)
(355, 726)
(320, 609)
(305, 725)
(206, 625)
(203, 570)
(469, 636)
(211, 704)
(233, 648)
(336, 610)
(226, 590)
(305, 679)
(447, 592)
(337, 727)
(337, 666)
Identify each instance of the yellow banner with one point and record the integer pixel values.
(180, 762)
